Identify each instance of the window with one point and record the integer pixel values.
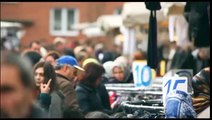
(62, 20)
(118, 11)
(70, 19)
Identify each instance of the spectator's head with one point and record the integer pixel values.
(107, 56)
(123, 60)
(79, 49)
(33, 56)
(93, 74)
(108, 68)
(59, 40)
(43, 72)
(69, 51)
(51, 57)
(81, 56)
(118, 71)
(67, 66)
(173, 45)
(35, 46)
(90, 51)
(17, 86)
(90, 60)
(59, 44)
(204, 53)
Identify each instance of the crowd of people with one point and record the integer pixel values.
(67, 82)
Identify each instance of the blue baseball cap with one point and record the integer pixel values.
(68, 60)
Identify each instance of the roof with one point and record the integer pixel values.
(136, 12)
(10, 24)
(108, 22)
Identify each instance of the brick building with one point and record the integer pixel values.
(48, 20)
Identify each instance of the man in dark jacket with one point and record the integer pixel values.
(17, 88)
(66, 70)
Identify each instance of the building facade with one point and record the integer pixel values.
(48, 20)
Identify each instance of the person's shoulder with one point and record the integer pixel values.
(112, 80)
(57, 94)
(62, 82)
(37, 112)
(80, 87)
(66, 87)
(60, 78)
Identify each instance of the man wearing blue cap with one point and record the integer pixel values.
(66, 69)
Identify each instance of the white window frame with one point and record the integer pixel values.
(64, 31)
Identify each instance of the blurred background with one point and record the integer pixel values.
(120, 27)
(85, 22)
(112, 32)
